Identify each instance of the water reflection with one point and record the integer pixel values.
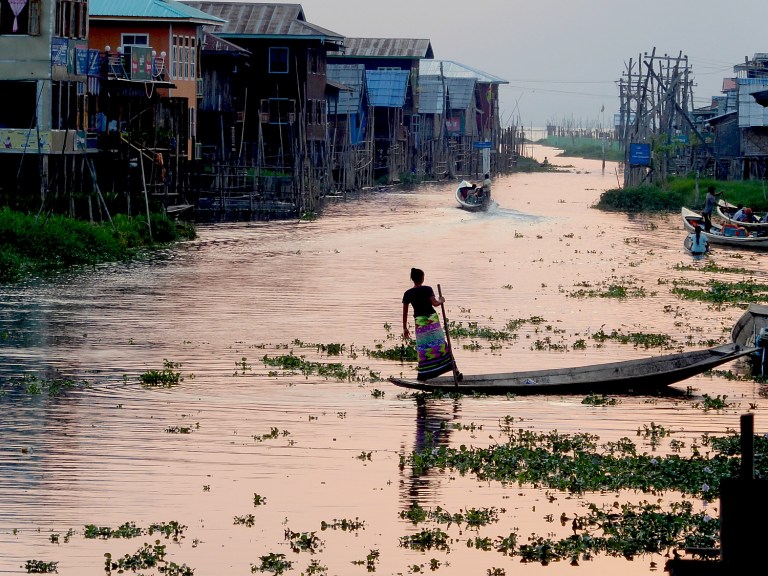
(217, 305)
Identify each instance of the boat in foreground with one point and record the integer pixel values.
(726, 211)
(751, 330)
(645, 375)
(468, 198)
(727, 234)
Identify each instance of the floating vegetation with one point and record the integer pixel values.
(603, 400)
(179, 430)
(402, 353)
(664, 341)
(274, 563)
(710, 266)
(40, 567)
(472, 330)
(573, 463)
(259, 500)
(426, 540)
(303, 541)
(29, 384)
(165, 378)
(171, 529)
(271, 435)
(343, 524)
(719, 292)
(717, 403)
(248, 520)
(298, 364)
(370, 561)
(148, 556)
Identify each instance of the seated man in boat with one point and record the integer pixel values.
(746, 216)
(464, 192)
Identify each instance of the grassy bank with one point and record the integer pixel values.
(585, 147)
(32, 246)
(680, 192)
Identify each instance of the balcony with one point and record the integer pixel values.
(141, 65)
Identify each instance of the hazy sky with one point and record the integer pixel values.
(563, 58)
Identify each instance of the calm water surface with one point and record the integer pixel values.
(102, 455)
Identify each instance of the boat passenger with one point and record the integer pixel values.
(699, 243)
(487, 185)
(739, 214)
(746, 216)
(435, 356)
(464, 192)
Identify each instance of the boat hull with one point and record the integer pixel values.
(716, 236)
(629, 377)
(468, 205)
(726, 211)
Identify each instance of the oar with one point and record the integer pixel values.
(448, 339)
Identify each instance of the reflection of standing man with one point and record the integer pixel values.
(7, 142)
(709, 205)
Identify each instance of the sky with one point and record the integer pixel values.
(563, 58)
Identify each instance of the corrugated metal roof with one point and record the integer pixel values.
(461, 94)
(452, 69)
(148, 9)
(212, 43)
(431, 95)
(246, 20)
(386, 88)
(415, 48)
(351, 75)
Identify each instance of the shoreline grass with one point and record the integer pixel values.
(38, 246)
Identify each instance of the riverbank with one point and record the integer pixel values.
(679, 192)
(45, 244)
(590, 148)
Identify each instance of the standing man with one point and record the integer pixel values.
(709, 205)
(487, 185)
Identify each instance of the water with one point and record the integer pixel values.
(102, 455)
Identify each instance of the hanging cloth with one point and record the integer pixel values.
(16, 7)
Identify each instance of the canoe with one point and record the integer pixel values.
(644, 375)
(470, 202)
(721, 234)
(726, 211)
(748, 326)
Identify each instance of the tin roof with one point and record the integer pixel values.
(212, 43)
(451, 69)
(245, 20)
(351, 75)
(432, 89)
(147, 9)
(387, 88)
(414, 48)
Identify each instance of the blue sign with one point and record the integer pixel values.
(482, 144)
(640, 154)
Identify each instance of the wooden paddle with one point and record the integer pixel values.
(448, 339)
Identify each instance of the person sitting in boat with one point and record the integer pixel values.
(739, 214)
(465, 190)
(745, 216)
(699, 243)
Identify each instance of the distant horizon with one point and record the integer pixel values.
(563, 59)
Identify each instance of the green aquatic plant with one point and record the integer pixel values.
(303, 541)
(602, 400)
(427, 540)
(147, 557)
(165, 378)
(40, 566)
(247, 520)
(664, 341)
(720, 293)
(344, 524)
(274, 563)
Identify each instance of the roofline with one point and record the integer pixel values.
(280, 37)
(214, 21)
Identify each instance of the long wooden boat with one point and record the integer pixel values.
(644, 375)
(726, 211)
(720, 234)
(465, 196)
(747, 328)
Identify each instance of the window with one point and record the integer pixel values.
(24, 97)
(129, 41)
(20, 17)
(278, 111)
(278, 60)
(174, 57)
(192, 72)
(71, 19)
(186, 57)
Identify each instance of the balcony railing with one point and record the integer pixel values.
(120, 68)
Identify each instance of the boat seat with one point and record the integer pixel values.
(734, 230)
